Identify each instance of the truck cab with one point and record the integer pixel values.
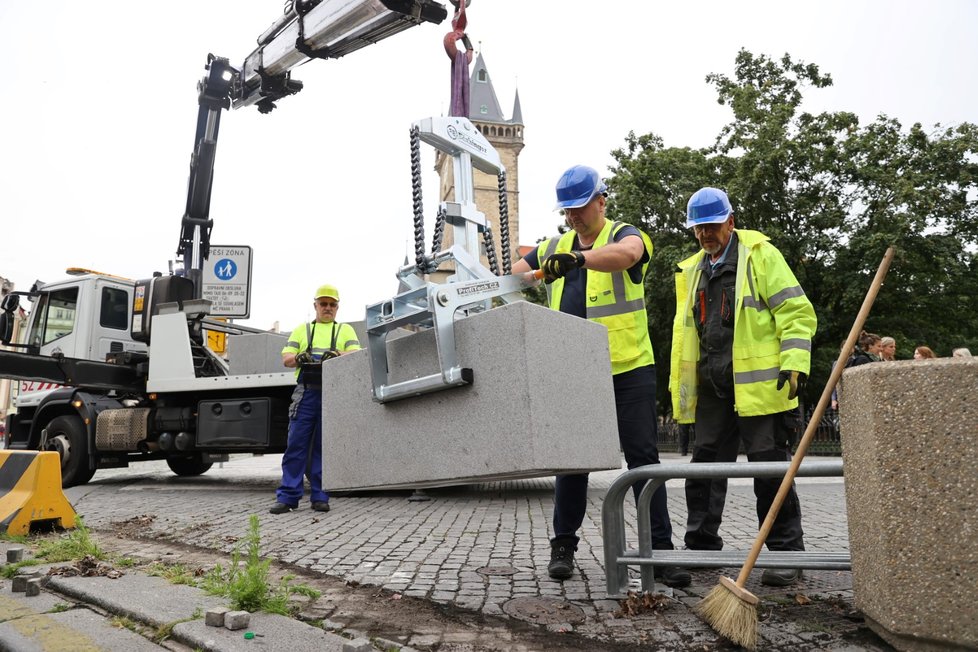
(86, 316)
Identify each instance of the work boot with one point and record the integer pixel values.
(780, 576)
(320, 506)
(672, 576)
(561, 559)
(281, 508)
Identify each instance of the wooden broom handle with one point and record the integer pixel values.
(806, 439)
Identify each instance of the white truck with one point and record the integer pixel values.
(115, 370)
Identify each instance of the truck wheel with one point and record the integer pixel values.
(188, 466)
(66, 436)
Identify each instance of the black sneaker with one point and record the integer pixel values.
(780, 576)
(281, 508)
(672, 576)
(320, 506)
(561, 559)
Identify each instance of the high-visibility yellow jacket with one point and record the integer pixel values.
(612, 299)
(773, 327)
(332, 335)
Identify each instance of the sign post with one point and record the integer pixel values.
(227, 281)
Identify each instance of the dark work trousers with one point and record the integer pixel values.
(718, 434)
(304, 451)
(635, 405)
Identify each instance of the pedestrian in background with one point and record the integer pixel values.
(887, 349)
(596, 271)
(867, 350)
(741, 351)
(307, 348)
(923, 353)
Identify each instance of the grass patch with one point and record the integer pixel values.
(76, 544)
(174, 573)
(58, 608)
(124, 623)
(10, 570)
(125, 562)
(245, 583)
(14, 538)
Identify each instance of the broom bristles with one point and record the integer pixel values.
(732, 612)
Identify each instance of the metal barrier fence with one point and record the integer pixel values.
(826, 440)
(617, 557)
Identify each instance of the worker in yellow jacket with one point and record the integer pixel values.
(596, 271)
(741, 351)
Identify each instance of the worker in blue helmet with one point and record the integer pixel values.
(741, 350)
(596, 271)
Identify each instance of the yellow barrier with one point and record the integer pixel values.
(30, 491)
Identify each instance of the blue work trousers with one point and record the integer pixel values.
(304, 451)
(638, 436)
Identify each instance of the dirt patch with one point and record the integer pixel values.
(88, 566)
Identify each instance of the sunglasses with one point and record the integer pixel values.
(327, 304)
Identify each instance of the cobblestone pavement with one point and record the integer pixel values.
(480, 552)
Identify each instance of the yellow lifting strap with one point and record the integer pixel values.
(30, 492)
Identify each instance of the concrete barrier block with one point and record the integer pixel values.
(256, 353)
(15, 554)
(542, 402)
(236, 619)
(909, 444)
(33, 587)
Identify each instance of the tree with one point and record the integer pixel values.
(832, 195)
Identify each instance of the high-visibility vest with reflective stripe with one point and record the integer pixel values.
(611, 299)
(322, 339)
(773, 327)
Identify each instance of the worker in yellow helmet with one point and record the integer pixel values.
(309, 346)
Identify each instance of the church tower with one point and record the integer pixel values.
(506, 136)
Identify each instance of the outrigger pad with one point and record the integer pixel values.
(542, 402)
(30, 492)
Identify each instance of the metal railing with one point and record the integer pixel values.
(618, 557)
(826, 440)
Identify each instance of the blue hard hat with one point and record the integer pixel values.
(708, 206)
(577, 186)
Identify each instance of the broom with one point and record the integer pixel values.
(730, 609)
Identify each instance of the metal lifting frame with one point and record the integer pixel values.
(471, 288)
(617, 557)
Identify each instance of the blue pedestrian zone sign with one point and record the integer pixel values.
(227, 281)
(225, 269)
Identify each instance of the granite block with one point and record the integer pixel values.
(541, 403)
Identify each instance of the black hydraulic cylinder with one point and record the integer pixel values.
(70, 371)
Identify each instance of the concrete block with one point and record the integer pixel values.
(256, 353)
(215, 617)
(19, 583)
(542, 402)
(15, 555)
(33, 587)
(236, 619)
(910, 441)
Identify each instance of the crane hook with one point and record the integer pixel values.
(459, 22)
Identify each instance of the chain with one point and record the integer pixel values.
(504, 225)
(439, 231)
(418, 204)
(490, 251)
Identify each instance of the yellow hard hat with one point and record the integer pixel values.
(327, 291)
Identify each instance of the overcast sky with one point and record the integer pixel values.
(99, 109)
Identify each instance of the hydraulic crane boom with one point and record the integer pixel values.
(324, 29)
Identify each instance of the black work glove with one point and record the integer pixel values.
(305, 357)
(559, 265)
(796, 382)
(330, 354)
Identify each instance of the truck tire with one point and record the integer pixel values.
(66, 436)
(188, 466)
